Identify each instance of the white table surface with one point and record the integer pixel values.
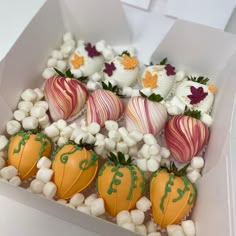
(18, 219)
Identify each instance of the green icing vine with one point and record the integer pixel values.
(24, 136)
(181, 192)
(167, 190)
(192, 196)
(115, 180)
(151, 178)
(64, 156)
(142, 184)
(133, 179)
(40, 138)
(85, 164)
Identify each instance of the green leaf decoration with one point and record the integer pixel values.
(125, 53)
(163, 61)
(193, 113)
(114, 89)
(119, 159)
(142, 94)
(174, 169)
(59, 72)
(69, 74)
(87, 146)
(83, 78)
(200, 79)
(153, 97)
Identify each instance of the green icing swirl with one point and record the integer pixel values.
(115, 180)
(181, 192)
(64, 156)
(86, 164)
(40, 138)
(192, 196)
(133, 179)
(24, 136)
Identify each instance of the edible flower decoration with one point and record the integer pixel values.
(129, 62)
(212, 88)
(170, 70)
(109, 68)
(150, 81)
(197, 95)
(92, 51)
(77, 61)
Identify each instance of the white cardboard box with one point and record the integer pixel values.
(188, 46)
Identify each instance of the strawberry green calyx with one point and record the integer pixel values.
(153, 97)
(200, 79)
(120, 159)
(193, 113)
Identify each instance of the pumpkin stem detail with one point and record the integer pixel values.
(120, 159)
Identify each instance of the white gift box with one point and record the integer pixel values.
(190, 47)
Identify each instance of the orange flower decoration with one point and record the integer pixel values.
(150, 81)
(77, 61)
(129, 62)
(212, 88)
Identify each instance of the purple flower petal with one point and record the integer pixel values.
(109, 68)
(92, 51)
(197, 95)
(170, 70)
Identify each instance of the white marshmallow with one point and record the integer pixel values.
(122, 147)
(123, 132)
(77, 73)
(189, 168)
(85, 209)
(13, 127)
(149, 139)
(19, 115)
(193, 176)
(144, 151)
(101, 45)
(61, 124)
(42, 104)
(141, 229)
(70, 206)
(123, 217)
(44, 162)
(52, 131)
(36, 186)
(133, 150)
(165, 152)
(142, 164)
(165, 162)
(129, 226)
(174, 110)
(127, 91)
(62, 201)
(135, 93)
(99, 136)
(2, 162)
(67, 36)
(77, 199)
(143, 204)
(108, 54)
(188, 227)
(61, 65)
(62, 141)
(152, 165)
(16, 181)
(30, 123)
(82, 136)
(89, 200)
(37, 111)
(92, 85)
(175, 230)
(111, 125)
(110, 145)
(75, 133)
(154, 149)
(51, 62)
(49, 190)
(90, 139)
(97, 77)
(29, 95)
(137, 216)
(154, 234)
(40, 94)
(129, 141)
(44, 122)
(175, 101)
(3, 142)
(151, 226)
(57, 54)
(179, 75)
(99, 147)
(48, 73)
(25, 106)
(66, 132)
(114, 135)
(94, 128)
(157, 158)
(98, 207)
(84, 128)
(44, 174)
(146, 91)
(197, 162)
(206, 119)
(136, 135)
(55, 139)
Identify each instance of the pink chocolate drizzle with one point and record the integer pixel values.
(185, 137)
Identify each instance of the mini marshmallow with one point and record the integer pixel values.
(82, 136)
(67, 36)
(75, 133)
(52, 131)
(44, 174)
(42, 104)
(143, 204)
(85, 209)
(99, 136)
(25, 106)
(13, 127)
(175, 101)
(97, 76)
(122, 147)
(123, 132)
(62, 141)
(133, 150)
(88, 201)
(99, 147)
(16, 181)
(61, 65)
(152, 165)
(51, 62)
(61, 124)
(206, 119)
(108, 54)
(77, 73)
(146, 91)
(179, 76)
(66, 132)
(144, 151)
(77, 199)
(165, 152)
(111, 125)
(123, 217)
(49, 189)
(36, 186)
(37, 111)
(3, 142)
(197, 162)
(114, 135)
(29, 95)
(129, 141)
(30, 123)
(142, 164)
(154, 234)
(127, 91)
(154, 149)
(55, 139)
(151, 226)
(110, 145)
(62, 201)
(44, 162)
(97, 207)
(137, 216)
(136, 135)
(90, 139)
(188, 227)
(2, 162)
(157, 158)
(57, 54)
(94, 128)
(189, 168)
(175, 230)
(193, 176)
(149, 139)
(129, 226)
(174, 110)
(165, 162)
(92, 85)
(100, 45)
(70, 206)
(141, 229)
(48, 73)
(40, 94)
(19, 115)
(44, 122)
(84, 128)
(135, 93)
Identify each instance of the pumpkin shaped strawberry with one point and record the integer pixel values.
(75, 167)
(186, 136)
(172, 196)
(120, 184)
(145, 114)
(24, 151)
